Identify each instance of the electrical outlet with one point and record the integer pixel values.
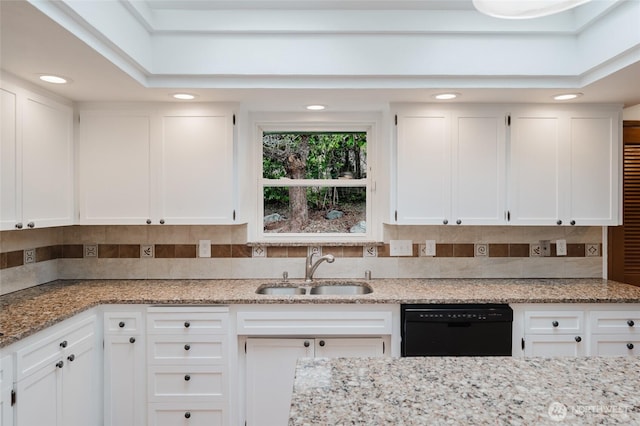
(29, 256)
(545, 248)
(430, 248)
(401, 247)
(561, 247)
(204, 248)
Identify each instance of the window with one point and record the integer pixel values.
(314, 183)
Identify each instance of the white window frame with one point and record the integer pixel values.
(316, 122)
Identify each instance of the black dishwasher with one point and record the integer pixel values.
(456, 330)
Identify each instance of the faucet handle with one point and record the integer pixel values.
(285, 276)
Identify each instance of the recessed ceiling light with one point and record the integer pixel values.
(446, 96)
(315, 107)
(184, 96)
(55, 79)
(567, 96)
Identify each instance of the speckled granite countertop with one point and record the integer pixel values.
(25, 312)
(466, 391)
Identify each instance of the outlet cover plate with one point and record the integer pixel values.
(561, 247)
(401, 247)
(204, 248)
(29, 256)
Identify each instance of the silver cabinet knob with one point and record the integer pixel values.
(31, 225)
(161, 221)
(148, 221)
(19, 225)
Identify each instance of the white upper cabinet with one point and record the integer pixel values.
(595, 166)
(156, 165)
(424, 167)
(197, 168)
(534, 172)
(466, 165)
(478, 173)
(37, 161)
(114, 168)
(564, 166)
(451, 166)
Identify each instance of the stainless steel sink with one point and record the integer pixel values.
(328, 288)
(280, 290)
(341, 288)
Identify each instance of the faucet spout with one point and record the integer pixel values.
(311, 266)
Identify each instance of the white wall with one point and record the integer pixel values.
(631, 113)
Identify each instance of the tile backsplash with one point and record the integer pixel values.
(32, 257)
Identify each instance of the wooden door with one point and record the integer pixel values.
(624, 241)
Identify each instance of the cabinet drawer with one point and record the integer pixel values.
(192, 414)
(123, 322)
(553, 322)
(197, 383)
(187, 322)
(187, 350)
(615, 345)
(53, 345)
(550, 346)
(615, 322)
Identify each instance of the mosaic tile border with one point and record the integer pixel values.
(17, 258)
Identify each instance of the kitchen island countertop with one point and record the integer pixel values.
(466, 391)
(25, 312)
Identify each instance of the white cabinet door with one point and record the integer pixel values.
(270, 370)
(79, 386)
(197, 169)
(57, 376)
(40, 397)
(478, 172)
(47, 164)
(594, 165)
(423, 168)
(156, 165)
(124, 380)
(115, 169)
(124, 369)
(534, 169)
(6, 390)
(10, 196)
(37, 161)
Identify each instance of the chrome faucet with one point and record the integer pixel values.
(311, 266)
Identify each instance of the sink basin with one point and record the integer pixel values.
(341, 288)
(280, 290)
(329, 288)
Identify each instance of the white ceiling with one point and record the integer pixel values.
(33, 43)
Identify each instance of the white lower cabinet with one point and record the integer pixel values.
(576, 329)
(273, 338)
(6, 390)
(124, 367)
(271, 365)
(57, 380)
(188, 366)
(615, 333)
